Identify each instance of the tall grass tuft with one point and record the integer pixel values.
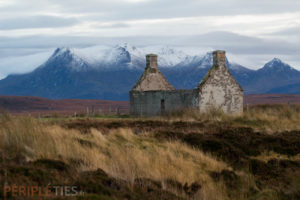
(266, 117)
(121, 153)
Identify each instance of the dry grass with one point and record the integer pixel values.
(129, 156)
(269, 155)
(274, 117)
(270, 118)
(120, 153)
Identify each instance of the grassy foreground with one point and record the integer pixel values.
(185, 155)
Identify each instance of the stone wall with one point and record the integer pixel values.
(153, 95)
(153, 103)
(220, 90)
(152, 79)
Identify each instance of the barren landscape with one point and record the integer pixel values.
(149, 100)
(183, 155)
(36, 105)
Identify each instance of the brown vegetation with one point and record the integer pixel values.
(184, 155)
(46, 107)
(255, 99)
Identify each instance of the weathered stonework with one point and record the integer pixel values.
(152, 79)
(154, 95)
(151, 103)
(219, 89)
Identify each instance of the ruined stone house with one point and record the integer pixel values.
(153, 95)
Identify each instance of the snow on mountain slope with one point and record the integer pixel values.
(70, 73)
(277, 64)
(116, 57)
(97, 57)
(110, 57)
(68, 58)
(167, 56)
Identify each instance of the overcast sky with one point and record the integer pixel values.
(251, 31)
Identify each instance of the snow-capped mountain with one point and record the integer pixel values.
(272, 75)
(106, 57)
(68, 58)
(105, 72)
(278, 64)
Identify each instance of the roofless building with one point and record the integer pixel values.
(153, 95)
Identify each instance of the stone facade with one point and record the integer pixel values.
(219, 89)
(152, 79)
(154, 95)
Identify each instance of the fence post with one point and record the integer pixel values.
(118, 110)
(294, 108)
(93, 111)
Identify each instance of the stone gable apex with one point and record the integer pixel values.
(219, 63)
(152, 79)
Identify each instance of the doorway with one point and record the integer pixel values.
(162, 106)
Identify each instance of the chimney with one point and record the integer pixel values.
(151, 61)
(219, 57)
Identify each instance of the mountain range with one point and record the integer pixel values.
(103, 72)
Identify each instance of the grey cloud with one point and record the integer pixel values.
(238, 44)
(122, 10)
(290, 31)
(42, 21)
(176, 8)
(113, 25)
(20, 51)
(255, 51)
(113, 15)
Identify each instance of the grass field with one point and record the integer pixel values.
(183, 155)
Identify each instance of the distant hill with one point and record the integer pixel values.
(256, 99)
(110, 72)
(35, 105)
